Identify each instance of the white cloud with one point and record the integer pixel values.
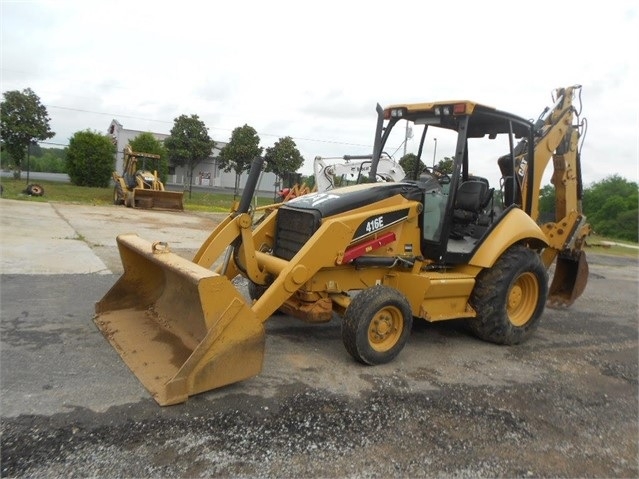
(316, 71)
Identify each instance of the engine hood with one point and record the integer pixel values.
(339, 200)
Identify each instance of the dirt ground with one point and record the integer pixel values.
(564, 404)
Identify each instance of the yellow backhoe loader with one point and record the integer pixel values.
(139, 187)
(432, 247)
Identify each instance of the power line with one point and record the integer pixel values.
(106, 113)
(116, 115)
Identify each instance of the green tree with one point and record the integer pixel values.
(283, 158)
(547, 202)
(611, 206)
(410, 166)
(48, 162)
(6, 162)
(614, 185)
(627, 225)
(51, 160)
(446, 165)
(59, 153)
(147, 143)
(189, 144)
(23, 121)
(36, 150)
(90, 159)
(240, 151)
(309, 181)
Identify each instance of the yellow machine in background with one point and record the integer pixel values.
(431, 247)
(140, 187)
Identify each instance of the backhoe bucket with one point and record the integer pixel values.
(570, 279)
(158, 199)
(181, 328)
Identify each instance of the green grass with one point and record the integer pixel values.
(602, 245)
(56, 191)
(68, 193)
(215, 202)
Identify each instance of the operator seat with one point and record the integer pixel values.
(472, 197)
(129, 179)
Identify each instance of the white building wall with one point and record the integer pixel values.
(219, 178)
(206, 174)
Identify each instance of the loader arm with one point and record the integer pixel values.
(234, 230)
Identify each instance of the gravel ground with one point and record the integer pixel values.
(564, 404)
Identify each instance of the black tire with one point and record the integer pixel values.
(255, 290)
(376, 325)
(35, 190)
(510, 297)
(118, 196)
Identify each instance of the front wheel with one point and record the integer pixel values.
(509, 297)
(376, 325)
(255, 290)
(118, 196)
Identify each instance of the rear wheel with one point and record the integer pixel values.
(118, 196)
(376, 325)
(509, 297)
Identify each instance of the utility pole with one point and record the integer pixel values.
(434, 153)
(28, 158)
(408, 135)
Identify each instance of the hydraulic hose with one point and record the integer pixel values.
(244, 206)
(251, 184)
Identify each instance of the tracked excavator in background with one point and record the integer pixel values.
(331, 173)
(141, 187)
(335, 172)
(378, 254)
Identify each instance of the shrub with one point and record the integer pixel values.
(90, 159)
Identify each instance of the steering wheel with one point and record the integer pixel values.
(440, 176)
(443, 178)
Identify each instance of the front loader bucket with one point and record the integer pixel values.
(570, 279)
(181, 328)
(158, 199)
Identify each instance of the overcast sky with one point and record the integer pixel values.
(315, 70)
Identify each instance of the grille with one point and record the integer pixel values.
(294, 229)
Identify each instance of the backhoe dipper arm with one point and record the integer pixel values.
(557, 137)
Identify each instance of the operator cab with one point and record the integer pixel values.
(471, 161)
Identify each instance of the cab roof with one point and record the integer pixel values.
(485, 120)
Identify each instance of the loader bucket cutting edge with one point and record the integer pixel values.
(159, 199)
(181, 328)
(569, 281)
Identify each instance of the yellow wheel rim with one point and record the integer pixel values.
(385, 329)
(522, 299)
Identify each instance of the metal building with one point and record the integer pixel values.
(206, 174)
